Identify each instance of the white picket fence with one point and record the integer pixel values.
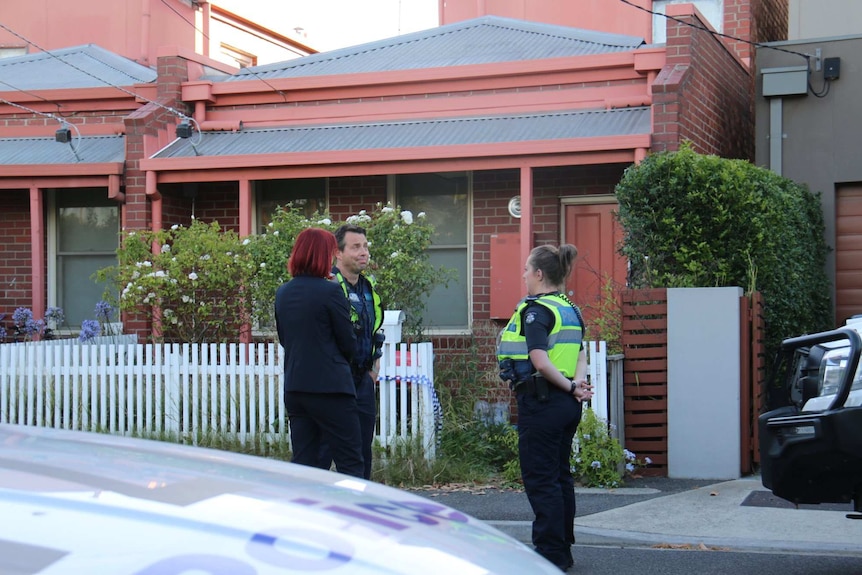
(606, 375)
(193, 390)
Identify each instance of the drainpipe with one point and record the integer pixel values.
(779, 83)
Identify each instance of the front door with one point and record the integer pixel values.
(593, 229)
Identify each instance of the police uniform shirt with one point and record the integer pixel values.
(362, 301)
(538, 323)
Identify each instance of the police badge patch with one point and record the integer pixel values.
(530, 317)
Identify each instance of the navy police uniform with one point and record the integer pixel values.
(548, 417)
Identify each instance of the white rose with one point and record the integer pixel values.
(193, 276)
(407, 217)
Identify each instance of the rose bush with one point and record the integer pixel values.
(197, 280)
(206, 283)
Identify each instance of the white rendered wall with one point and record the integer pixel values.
(703, 383)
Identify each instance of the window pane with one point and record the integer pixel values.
(88, 229)
(443, 198)
(447, 307)
(307, 194)
(88, 226)
(78, 292)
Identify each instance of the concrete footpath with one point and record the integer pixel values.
(738, 515)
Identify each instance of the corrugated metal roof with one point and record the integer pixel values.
(90, 149)
(479, 41)
(416, 133)
(87, 66)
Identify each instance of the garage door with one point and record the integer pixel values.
(848, 253)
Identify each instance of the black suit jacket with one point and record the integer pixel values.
(312, 317)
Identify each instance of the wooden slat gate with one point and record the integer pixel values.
(644, 342)
(645, 390)
(752, 377)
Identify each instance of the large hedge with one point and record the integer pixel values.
(692, 220)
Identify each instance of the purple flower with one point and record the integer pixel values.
(2, 333)
(90, 328)
(21, 316)
(55, 314)
(104, 311)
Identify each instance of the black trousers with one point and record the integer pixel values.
(545, 433)
(332, 418)
(366, 403)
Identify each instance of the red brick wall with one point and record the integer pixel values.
(348, 196)
(702, 95)
(176, 209)
(16, 284)
(217, 202)
(755, 21)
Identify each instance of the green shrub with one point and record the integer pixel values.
(598, 460)
(692, 220)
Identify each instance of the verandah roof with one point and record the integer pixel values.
(509, 128)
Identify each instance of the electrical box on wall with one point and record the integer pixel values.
(507, 287)
(831, 68)
(786, 81)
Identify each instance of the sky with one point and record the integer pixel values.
(330, 24)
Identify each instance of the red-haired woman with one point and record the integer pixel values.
(313, 321)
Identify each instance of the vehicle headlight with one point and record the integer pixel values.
(832, 370)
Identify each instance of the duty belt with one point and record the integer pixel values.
(535, 385)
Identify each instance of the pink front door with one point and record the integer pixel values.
(594, 230)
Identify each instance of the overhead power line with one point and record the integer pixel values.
(201, 32)
(88, 73)
(714, 33)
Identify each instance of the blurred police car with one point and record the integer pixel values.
(76, 502)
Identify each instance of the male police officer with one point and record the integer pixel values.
(366, 313)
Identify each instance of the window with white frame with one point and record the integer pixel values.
(84, 228)
(712, 10)
(445, 199)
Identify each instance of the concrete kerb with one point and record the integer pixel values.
(711, 517)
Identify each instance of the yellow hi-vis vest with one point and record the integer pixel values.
(376, 344)
(564, 341)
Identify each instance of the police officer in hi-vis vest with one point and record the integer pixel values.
(541, 357)
(366, 313)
